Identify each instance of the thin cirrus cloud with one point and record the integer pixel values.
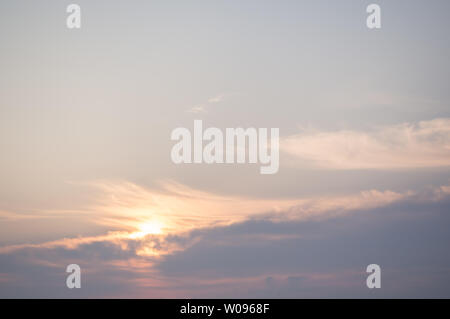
(216, 99)
(402, 146)
(201, 108)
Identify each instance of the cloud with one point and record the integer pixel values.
(403, 146)
(150, 219)
(177, 207)
(316, 247)
(256, 257)
(4, 215)
(180, 208)
(216, 99)
(328, 257)
(202, 108)
(197, 109)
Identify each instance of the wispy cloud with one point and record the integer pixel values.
(197, 109)
(216, 99)
(403, 146)
(201, 108)
(4, 215)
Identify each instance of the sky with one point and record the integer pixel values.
(86, 175)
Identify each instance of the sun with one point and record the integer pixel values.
(147, 228)
(151, 228)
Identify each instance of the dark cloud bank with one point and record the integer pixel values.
(327, 258)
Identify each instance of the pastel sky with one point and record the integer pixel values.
(85, 170)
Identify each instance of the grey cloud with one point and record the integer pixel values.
(408, 239)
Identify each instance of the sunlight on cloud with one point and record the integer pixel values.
(175, 208)
(159, 224)
(148, 219)
(403, 146)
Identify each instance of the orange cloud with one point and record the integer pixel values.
(403, 146)
(148, 217)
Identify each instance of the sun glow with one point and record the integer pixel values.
(147, 228)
